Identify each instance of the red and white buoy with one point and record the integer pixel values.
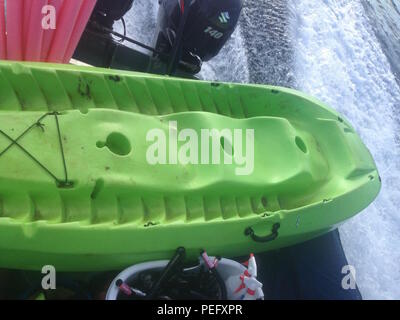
(245, 285)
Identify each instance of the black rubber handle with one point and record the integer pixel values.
(250, 232)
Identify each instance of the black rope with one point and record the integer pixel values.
(29, 154)
(23, 134)
(38, 123)
(124, 26)
(61, 148)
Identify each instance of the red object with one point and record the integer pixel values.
(32, 44)
(14, 34)
(206, 258)
(251, 292)
(3, 48)
(49, 34)
(125, 289)
(242, 285)
(64, 30)
(27, 34)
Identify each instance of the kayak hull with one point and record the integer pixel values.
(77, 189)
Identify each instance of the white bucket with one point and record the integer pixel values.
(229, 271)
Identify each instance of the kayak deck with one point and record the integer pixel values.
(105, 164)
(77, 189)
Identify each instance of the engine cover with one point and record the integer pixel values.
(209, 25)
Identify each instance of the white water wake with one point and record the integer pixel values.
(339, 60)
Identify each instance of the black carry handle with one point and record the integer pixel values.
(250, 232)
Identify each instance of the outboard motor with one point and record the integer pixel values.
(208, 26)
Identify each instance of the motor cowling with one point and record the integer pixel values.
(209, 25)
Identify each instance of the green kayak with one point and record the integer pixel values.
(100, 169)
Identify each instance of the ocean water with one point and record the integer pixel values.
(347, 54)
(384, 17)
(340, 60)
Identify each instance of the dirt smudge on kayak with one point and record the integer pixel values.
(115, 78)
(84, 89)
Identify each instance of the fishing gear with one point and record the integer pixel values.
(175, 265)
(127, 290)
(173, 281)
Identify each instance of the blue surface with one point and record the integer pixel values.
(311, 270)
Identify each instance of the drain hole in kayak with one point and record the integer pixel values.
(100, 144)
(117, 143)
(227, 146)
(301, 145)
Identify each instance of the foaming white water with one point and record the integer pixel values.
(230, 64)
(339, 60)
(141, 22)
